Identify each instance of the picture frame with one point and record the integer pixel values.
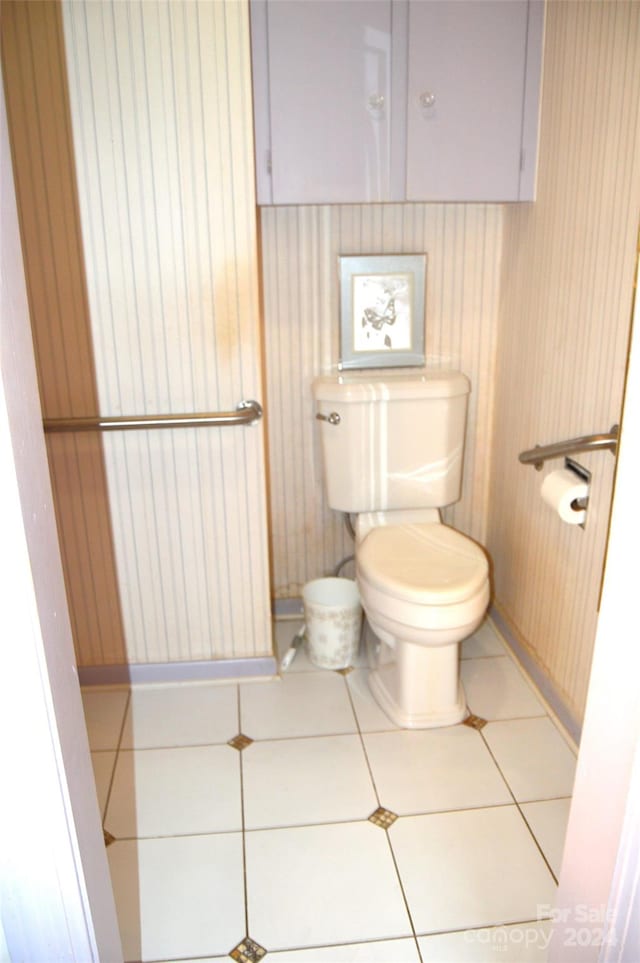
(382, 299)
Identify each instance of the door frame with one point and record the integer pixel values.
(38, 679)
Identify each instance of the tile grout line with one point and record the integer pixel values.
(487, 926)
(386, 831)
(115, 759)
(323, 735)
(242, 824)
(314, 946)
(535, 839)
(332, 822)
(517, 804)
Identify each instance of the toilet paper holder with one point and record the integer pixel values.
(566, 492)
(579, 504)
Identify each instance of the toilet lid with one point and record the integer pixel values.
(428, 563)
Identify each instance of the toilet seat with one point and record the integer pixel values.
(426, 564)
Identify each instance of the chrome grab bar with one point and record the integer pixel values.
(541, 453)
(246, 413)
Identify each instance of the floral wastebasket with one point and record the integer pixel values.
(332, 615)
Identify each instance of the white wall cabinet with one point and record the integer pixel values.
(361, 101)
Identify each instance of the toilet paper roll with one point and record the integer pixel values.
(560, 490)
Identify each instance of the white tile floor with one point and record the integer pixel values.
(273, 842)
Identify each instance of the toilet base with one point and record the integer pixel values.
(420, 687)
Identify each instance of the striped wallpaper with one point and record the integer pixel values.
(567, 281)
(300, 248)
(161, 110)
(162, 317)
(162, 124)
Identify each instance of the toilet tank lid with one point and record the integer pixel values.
(367, 386)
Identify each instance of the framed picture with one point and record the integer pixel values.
(382, 310)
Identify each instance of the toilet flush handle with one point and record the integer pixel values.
(333, 418)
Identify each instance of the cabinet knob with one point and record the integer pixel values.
(375, 104)
(427, 99)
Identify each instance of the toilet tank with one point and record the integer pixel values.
(399, 440)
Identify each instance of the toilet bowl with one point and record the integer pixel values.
(393, 452)
(424, 588)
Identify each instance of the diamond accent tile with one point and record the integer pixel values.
(240, 742)
(382, 817)
(475, 722)
(248, 951)
(108, 838)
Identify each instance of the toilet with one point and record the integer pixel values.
(393, 446)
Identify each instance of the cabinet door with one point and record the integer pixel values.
(328, 90)
(466, 90)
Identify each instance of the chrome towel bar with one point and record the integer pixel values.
(541, 453)
(246, 413)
